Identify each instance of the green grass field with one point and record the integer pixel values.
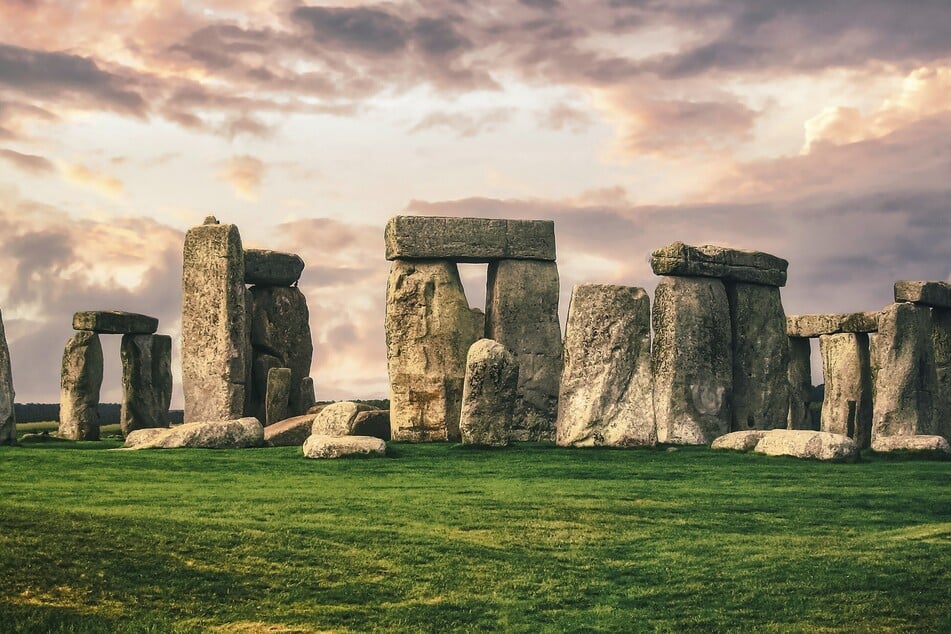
(439, 538)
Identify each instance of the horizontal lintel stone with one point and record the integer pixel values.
(271, 268)
(469, 239)
(115, 322)
(831, 324)
(714, 261)
(936, 294)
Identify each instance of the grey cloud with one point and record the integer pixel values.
(465, 125)
(359, 29)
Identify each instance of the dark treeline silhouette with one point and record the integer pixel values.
(108, 413)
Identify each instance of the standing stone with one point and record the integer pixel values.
(522, 315)
(8, 421)
(847, 406)
(941, 342)
(215, 341)
(280, 326)
(263, 364)
(692, 360)
(308, 396)
(905, 381)
(429, 328)
(800, 383)
(277, 395)
(606, 395)
(488, 394)
(80, 381)
(146, 381)
(760, 357)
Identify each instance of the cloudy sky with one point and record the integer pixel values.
(817, 130)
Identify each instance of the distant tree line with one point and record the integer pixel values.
(108, 413)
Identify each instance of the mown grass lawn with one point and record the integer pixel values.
(439, 538)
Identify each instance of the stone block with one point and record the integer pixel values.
(229, 434)
(714, 261)
(277, 395)
(800, 383)
(290, 432)
(374, 422)
(813, 445)
(488, 394)
(468, 239)
(913, 444)
(308, 396)
(936, 294)
(80, 381)
(146, 381)
(114, 322)
(742, 441)
(941, 344)
(847, 406)
(271, 268)
(831, 324)
(337, 419)
(8, 421)
(318, 446)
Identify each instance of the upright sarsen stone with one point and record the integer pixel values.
(80, 382)
(606, 394)
(488, 394)
(146, 381)
(522, 315)
(429, 328)
(800, 383)
(941, 342)
(277, 395)
(692, 360)
(847, 405)
(8, 421)
(215, 341)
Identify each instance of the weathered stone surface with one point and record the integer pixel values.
(308, 395)
(80, 381)
(261, 366)
(316, 408)
(941, 344)
(692, 360)
(522, 315)
(8, 421)
(290, 432)
(215, 340)
(847, 406)
(115, 322)
(271, 268)
(713, 261)
(375, 422)
(320, 446)
(925, 444)
(429, 328)
(760, 357)
(739, 440)
(337, 419)
(146, 381)
(226, 434)
(488, 394)
(606, 393)
(831, 323)
(801, 443)
(905, 382)
(800, 383)
(278, 394)
(937, 294)
(280, 327)
(468, 239)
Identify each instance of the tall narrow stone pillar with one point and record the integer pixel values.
(692, 360)
(522, 314)
(146, 381)
(215, 341)
(8, 421)
(800, 383)
(941, 340)
(80, 382)
(847, 405)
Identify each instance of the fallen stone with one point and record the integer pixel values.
(606, 393)
(831, 324)
(692, 360)
(8, 421)
(229, 434)
(271, 268)
(115, 322)
(936, 294)
(800, 383)
(941, 344)
(801, 443)
(80, 381)
(522, 315)
(337, 419)
(215, 340)
(713, 261)
(924, 444)
(739, 440)
(316, 408)
(146, 381)
(308, 396)
(468, 239)
(847, 406)
(488, 394)
(320, 446)
(277, 395)
(374, 423)
(290, 432)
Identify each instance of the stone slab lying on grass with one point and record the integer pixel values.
(802, 443)
(710, 260)
(290, 432)
(226, 434)
(323, 446)
(271, 268)
(468, 239)
(739, 440)
(374, 422)
(831, 323)
(337, 418)
(936, 444)
(936, 294)
(115, 322)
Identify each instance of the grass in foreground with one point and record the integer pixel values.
(531, 538)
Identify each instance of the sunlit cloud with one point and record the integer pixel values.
(245, 174)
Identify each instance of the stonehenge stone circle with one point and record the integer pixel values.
(216, 347)
(271, 268)
(735, 265)
(115, 322)
(847, 406)
(831, 324)
(80, 381)
(606, 392)
(468, 239)
(8, 422)
(800, 383)
(146, 381)
(800, 443)
(228, 434)
(488, 394)
(319, 446)
(277, 395)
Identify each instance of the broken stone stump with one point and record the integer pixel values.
(905, 381)
(606, 394)
(847, 406)
(692, 360)
(429, 328)
(215, 337)
(80, 381)
(308, 396)
(941, 342)
(760, 357)
(8, 421)
(115, 322)
(468, 239)
(488, 394)
(522, 315)
(277, 395)
(736, 265)
(146, 381)
(271, 268)
(800, 383)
